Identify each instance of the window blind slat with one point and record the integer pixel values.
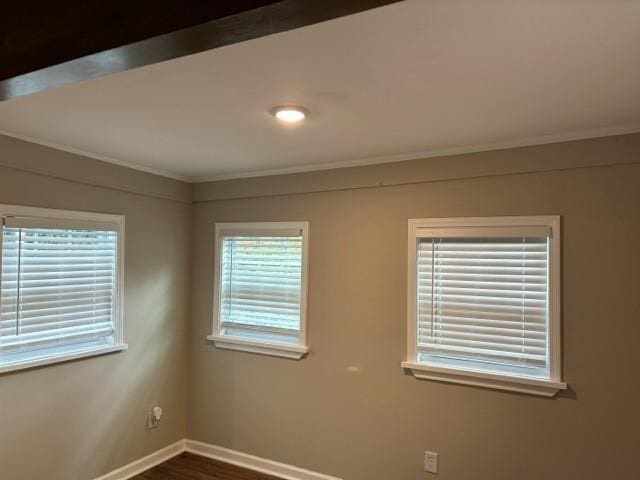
(490, 308)
(259, 329)
(54, 315)
(488, 277)
(75, 281)
(469, 352)
(485, 294)
(47, 328)
(443, 335)
(490, 330)
(531, 322)
(267, 306)
(482, 283)
(55, 318)
(59, 336)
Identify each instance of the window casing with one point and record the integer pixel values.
(260, 288)
(60, 285)
(483, 302)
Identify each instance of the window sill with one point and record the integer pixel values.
(532, 386)
(42, 361)
(295, 352)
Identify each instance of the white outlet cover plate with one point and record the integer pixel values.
(430, 462)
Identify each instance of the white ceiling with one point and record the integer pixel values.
(413, 79)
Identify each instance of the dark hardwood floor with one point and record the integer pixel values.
(188, 466)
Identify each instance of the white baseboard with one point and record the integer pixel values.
(145, 463)
(251, 462)
(258, 464)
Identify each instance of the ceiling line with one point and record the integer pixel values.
(97, 156)
(523, 142)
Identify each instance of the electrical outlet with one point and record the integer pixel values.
(154, 417)
(430, 462)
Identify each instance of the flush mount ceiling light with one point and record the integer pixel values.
(289, 113)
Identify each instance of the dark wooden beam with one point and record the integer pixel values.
(46, 44)
(41, 33)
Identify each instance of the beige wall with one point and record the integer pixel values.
(81, 419)
(374, 422)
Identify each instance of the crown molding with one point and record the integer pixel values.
(442, 152)
(97, 156)
(430, 153)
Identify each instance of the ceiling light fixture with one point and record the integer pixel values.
(289, 113)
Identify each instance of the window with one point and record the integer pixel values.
(260, 288)
(60, 285)
(483, 303)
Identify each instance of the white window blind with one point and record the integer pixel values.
(59, 288)
(260, 287)
(483, 303)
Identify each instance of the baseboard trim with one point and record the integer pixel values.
(258, 464)
(145, 463)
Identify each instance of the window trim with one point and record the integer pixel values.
(74, 216)
(469, 376)
(293, 351)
